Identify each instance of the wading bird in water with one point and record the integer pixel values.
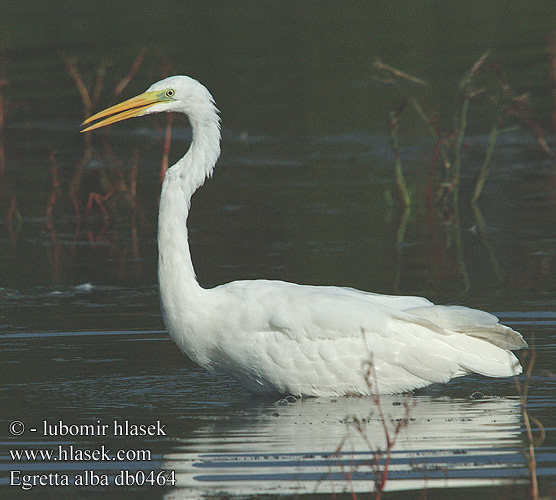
(285, 338)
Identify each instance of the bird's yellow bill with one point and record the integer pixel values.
(127, 109)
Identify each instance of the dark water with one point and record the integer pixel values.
(304, 192)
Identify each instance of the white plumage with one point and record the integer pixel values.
(277, 337)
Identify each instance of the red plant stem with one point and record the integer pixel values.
(166, 150)
(523, 392)
(99, 82)
(133, 181)
(11, 209)
(124, 82)
(3, 83)
(83, 91)
(9, 219)
(553, 74)
(54, 192)
(99, 200)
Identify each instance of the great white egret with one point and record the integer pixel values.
(285, 338)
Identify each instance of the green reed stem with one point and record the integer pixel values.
(400, 75)
(494, 133)
(482, 230)
(465, 86)
(459, 143)
(400, 179)
(459, 249)
(400, 238)
(432, 131)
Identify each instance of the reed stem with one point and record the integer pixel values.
(465, 86)
(400, 179)
(432, 131)
(494, 133)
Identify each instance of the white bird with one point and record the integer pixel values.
(285, 338)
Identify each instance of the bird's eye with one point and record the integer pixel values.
(170, 93)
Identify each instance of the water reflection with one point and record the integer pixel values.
(309, 446)
(221, 440)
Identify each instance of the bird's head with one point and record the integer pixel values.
(175, 93)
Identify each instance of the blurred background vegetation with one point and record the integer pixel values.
(306, 186)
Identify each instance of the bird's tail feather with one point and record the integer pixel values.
(484, 344)
(472, 322)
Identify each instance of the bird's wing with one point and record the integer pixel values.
(317, 311)
(333, 331)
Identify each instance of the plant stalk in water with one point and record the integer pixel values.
(400, 179)
(494, 133)
(466, 87)
(523, 391)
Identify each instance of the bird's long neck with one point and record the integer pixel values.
(175, 270)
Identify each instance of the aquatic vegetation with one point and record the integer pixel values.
(379, 459)
(485, 84)
(482, 87)
(535, 437)
(3, 84)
